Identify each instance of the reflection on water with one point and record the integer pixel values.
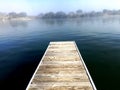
(18, 23)
(54, 21)
(23, 43)
(81, 20)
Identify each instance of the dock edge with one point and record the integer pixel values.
(89, 76)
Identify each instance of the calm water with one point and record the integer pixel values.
(22, 45)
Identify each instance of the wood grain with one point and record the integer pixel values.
(61, 69)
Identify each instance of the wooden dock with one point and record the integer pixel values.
(61, 68)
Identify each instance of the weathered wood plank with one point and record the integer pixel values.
(61, 68)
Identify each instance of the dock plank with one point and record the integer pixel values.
(61, 68)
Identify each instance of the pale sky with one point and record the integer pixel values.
(34, 7)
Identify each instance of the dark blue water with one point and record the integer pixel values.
(23, 43)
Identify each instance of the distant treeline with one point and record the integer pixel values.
(15, 15)
(78, 14)
(61, 14)
(12, 15)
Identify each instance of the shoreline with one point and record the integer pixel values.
(7, 19)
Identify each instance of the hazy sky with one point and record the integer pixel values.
(38, 6)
